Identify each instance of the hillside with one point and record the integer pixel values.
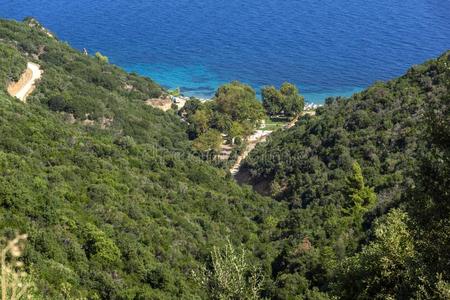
(355, 200)
(315, 168)
(113, 211)
(379, 127)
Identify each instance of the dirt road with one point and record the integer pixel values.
(26, 83)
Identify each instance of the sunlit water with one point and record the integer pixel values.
(326, 47)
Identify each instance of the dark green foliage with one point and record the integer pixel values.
(12, 64)
(116, 211)
(310, 167)
(84, 86)
(116, 207)
(239, 101)
(272, 100)
(428, 201)
(408, 259)
(286, 101)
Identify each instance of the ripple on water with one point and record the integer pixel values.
(326, 47)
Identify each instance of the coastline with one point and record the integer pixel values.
(199, 82)
(313, 98)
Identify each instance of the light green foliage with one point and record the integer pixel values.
(208, 141)
(101, 58)
(236, 130)
(231, 277)
(101, 248)
(442, 288)
(200, 120)
(239, 101)
(361, 197)
(15, 283)
(176, 92)
(383, 269)
(234, 111)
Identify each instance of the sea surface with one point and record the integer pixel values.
(326, 47)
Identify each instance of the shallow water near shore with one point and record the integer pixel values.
(327, 48)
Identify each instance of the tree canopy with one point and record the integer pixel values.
(239, 101)
(116, 206)
(113, 201)
(234, 111)
(286, 101)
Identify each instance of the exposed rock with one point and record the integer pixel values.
(128, 87)
(163, 104)
(106, 122)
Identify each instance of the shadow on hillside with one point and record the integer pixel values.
(261, 186)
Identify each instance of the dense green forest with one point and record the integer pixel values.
(355, 200)
(122, 212)
(353, 162)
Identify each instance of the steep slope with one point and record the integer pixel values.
(379, 127)
(88, 88)
(118, 210)
(116, 207)
(310, 167)
(26, 83)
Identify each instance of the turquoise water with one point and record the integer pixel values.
(325, 47)
(200, 82)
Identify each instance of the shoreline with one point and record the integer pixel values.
(205, 89)
(311, 98)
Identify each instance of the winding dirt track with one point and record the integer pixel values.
(258, 137)
(26, 83)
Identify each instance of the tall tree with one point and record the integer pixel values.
(293, 101)
(191, 106)
(239, 101)
(200, 120)
(208, 141)
(272, 100)
(384, 268)
(236, 130)
(286, 101)
(360, 197)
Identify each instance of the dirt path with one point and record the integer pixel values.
(258, 137)
(26, 84)
(293, 122)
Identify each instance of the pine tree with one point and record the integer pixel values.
(360, 197)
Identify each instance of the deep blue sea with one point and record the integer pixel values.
(326, 47)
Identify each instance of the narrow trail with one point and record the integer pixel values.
(26, 84)
(293, 122)
(259, 137)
